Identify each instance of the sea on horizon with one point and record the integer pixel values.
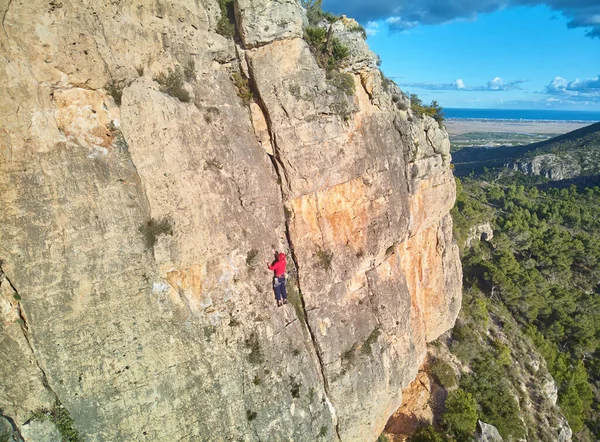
(522, 115)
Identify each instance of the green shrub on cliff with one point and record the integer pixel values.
(460, 415)
(171, 83)
(153, 228)
(342, 81)
(443, 373)
(434, 110)
(61, 418)
(327, 48)
(427, 434)
(226, 24)
(315, 13)
(243, 87)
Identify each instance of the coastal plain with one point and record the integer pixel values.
(459, 126)
(467, 132)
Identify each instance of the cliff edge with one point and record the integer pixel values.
(149, 165)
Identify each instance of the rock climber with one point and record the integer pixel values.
(279, 279)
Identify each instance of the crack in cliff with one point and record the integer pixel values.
(27, 335)
(281, 173)
(13, 425)
(4, 16)
(4, 277)
(26, 332)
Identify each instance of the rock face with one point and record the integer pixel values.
(487, 433)
(422, 401)
(135, 225)
(480, 232)
(550, 166)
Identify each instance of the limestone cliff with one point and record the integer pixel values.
(149, 165)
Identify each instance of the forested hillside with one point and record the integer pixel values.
(542, 266)
(523, 355)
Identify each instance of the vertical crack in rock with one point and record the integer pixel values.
(141, 189)
(15, 429)
(4, 14)
(26, 332)
(281, 174)
(3, 277)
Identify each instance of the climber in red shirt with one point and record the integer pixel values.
(279, 279)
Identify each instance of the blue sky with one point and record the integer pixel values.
(522, 54)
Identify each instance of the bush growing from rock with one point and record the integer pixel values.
(61, 418)
(153, 228)
(226, 24)
(243, 87)
(434, 110)
(443, 373)
(427, 434)
(327, 49)
(115, 90)
(460, 415)
(171, 84)
(342, 81)
(324, 259)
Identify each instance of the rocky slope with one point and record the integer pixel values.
(137, 212)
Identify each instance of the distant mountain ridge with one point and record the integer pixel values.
(567, 156)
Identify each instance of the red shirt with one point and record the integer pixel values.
(278, 267)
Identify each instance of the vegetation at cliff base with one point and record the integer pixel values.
(538, 278)
(460, 415)
(443, 373)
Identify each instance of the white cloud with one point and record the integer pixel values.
(406, 14)
(459, 83)
(578, 90)
(372, 28)
(496, 84)
(399, 24)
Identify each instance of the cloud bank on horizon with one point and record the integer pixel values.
(403, 14)
(496, 84)
(577, 90)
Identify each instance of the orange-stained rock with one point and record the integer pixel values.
(87, 117)
(177, 336)
(421, 402)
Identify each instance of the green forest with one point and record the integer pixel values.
(532, 289)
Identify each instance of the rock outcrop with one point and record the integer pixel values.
(149, 165)
(480, 232)
(487, 433)
(550, 166)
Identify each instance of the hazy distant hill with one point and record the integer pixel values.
(567, 156)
